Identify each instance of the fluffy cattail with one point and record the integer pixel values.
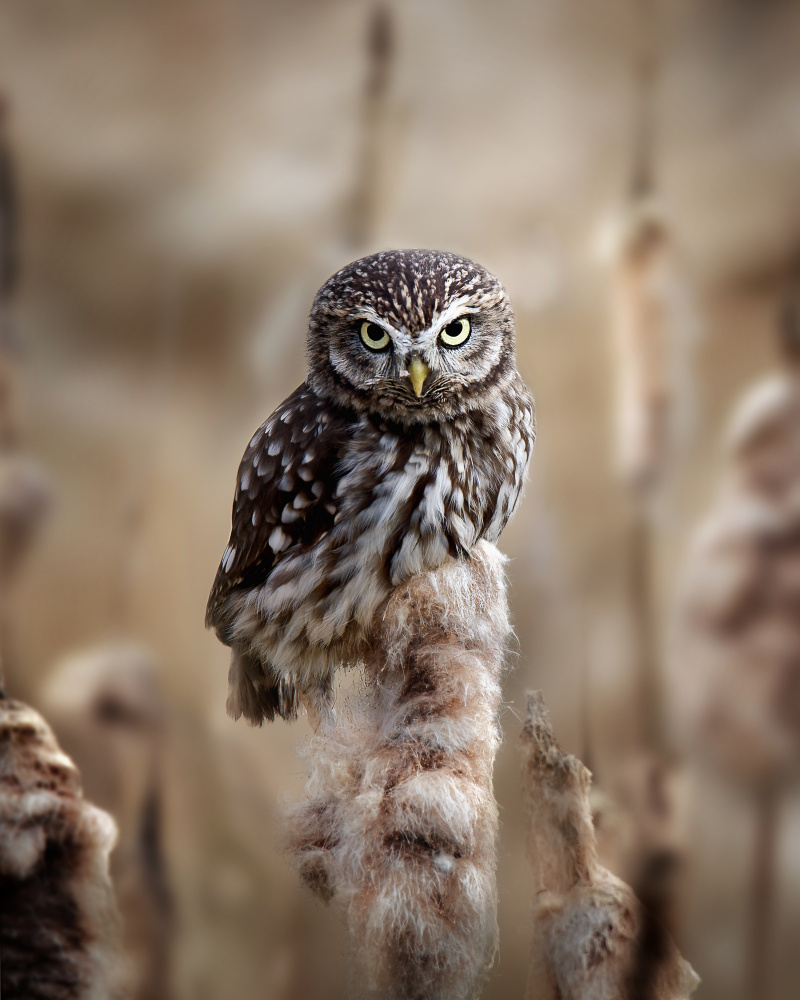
(737, 645)
(58, 919)
(736, 663)
(593, 939)
(399, 822)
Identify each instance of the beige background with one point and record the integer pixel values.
(184, 169)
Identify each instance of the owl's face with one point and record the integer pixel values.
(411, 335)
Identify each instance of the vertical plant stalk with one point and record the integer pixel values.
(9, 244)
(592, 938)
(399, 822)
(24, 489)
(364, 207)
(762, 893)
(654, 327)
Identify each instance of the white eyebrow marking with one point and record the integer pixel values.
(464, 305)
(368, 314)
(402, 337)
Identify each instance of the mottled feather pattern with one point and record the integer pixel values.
(284, 492)
(356, 482)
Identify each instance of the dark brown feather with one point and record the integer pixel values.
(267, 485)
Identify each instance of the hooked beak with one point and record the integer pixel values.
(418, 371)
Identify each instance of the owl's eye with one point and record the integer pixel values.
(373, 336)
(456, 333)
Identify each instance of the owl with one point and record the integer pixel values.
(408, 442)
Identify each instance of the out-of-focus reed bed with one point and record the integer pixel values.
(106, 703)
(24, 487)
(736, 656)
(59, 922)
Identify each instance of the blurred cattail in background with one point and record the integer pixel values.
(654, 330)
(738, 644)
(736, 657)
(59, 926)
(9, 249)
(24, 487)
(362, 213)
(108, 708)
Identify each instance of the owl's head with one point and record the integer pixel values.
(411, 335)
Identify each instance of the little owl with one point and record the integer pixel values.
(408, 443)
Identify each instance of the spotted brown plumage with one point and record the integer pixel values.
(384, 463)
(284, 493)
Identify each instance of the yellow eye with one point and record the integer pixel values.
(373, 336)
(456, 333)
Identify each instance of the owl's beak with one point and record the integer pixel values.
(418, 371)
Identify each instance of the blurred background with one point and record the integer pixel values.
(177, 179)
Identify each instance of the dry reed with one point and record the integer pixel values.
(592, 938)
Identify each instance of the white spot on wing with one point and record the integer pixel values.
(278, 540)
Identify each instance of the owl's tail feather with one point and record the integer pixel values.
(256, 693)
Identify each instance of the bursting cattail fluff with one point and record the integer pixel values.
(400, 823)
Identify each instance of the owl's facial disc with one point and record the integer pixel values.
(411, 335)
(422, 371)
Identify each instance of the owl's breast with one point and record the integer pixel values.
(405, 501)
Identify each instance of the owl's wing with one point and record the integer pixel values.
(284, 493)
